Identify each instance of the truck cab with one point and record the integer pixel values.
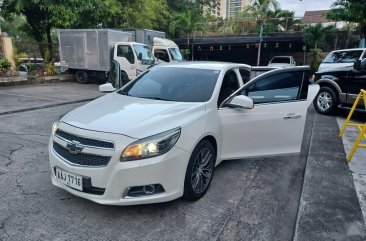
(134, 58)
(166, 50)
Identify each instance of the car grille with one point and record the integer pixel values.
(83, 140)
(82, 159)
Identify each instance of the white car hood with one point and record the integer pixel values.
(280, 65)
(131, 116)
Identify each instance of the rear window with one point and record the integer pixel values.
(281, 60)
(343, 56)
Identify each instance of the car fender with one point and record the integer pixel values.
(329, 80)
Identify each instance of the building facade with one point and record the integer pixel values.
(227, 8)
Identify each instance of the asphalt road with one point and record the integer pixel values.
(254, 199)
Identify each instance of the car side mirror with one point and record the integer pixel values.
(241, 101)
(139, 56)
(105, 88)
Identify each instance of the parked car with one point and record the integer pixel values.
(339, 87)
(342, 58)
(282, 61)
(160, 136)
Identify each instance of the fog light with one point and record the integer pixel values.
(141, 191)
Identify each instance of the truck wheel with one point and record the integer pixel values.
(124, 78)
(325, 101)
(82, 77)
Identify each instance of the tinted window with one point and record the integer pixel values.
(161, 54)
(245, 75)
(174, 84)
(281, 60)
(343, 56)
(126, 51)
(275, 88)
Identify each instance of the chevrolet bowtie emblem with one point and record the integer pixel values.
(74, 147)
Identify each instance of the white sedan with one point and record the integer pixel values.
(160, 136)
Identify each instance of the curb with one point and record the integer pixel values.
(44, 80)
(46, 106)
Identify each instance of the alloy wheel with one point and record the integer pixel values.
(202, 170)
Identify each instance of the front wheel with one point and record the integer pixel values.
(325, 101)
(199, 171)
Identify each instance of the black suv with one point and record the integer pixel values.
(339, 87)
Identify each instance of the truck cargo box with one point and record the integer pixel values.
(89, 49)
(145, 36)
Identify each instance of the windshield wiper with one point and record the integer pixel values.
(154, 98)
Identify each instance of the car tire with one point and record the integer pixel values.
(124, 78)
(326, 101)
(199, 171)
(82, 77)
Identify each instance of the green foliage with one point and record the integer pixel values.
(349, 11)
(50, 69)
(17, 56)
(187, 22)
(5, 65)
(315, 37)
(32, 69)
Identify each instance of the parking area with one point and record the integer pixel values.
(310, 196)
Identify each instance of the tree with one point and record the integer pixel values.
(187, 22)
(43, 16)
(264, 8)
(349, 11)
(315, 37)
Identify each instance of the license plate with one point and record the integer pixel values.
(69, 179)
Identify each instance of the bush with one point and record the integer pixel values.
(32, 68)
(5, 65)
(50, 68)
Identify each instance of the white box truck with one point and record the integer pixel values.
(164, 50)
(89, 53)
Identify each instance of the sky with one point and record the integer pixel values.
(305, 5)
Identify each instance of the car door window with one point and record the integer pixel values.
(126, 51)
(245, 75)
(286, 86)
(161, 54)
(229, 85)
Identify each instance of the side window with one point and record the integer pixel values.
(278, 87)
(126, 51)
(229, 85)
(162, 54)
(245, 75)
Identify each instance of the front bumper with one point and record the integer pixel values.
(167, 170)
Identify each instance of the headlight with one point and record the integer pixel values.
(54, 127)
(155, 145)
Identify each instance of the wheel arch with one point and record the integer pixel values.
(331, 84)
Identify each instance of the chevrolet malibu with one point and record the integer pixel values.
(160, 136)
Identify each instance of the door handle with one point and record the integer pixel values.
(291, 116)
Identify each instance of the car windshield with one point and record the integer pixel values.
(343, 56)
(174, 84)
(144, 50)
(175, 53)
(281, 60)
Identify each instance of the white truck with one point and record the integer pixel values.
(282, 61)
(89, 52)
(163, 49)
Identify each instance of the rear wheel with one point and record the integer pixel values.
(82, 77)
(199, 171)
(326, 101)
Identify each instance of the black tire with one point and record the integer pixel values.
(326, 101)
(124, 78)
(199, 169)
(82, 77)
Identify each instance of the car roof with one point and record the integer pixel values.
(354, 49)
(210, 65)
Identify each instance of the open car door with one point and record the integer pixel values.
(276, 124)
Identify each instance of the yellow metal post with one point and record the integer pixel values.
(361, 127)
(357, 143)
(351, 113)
